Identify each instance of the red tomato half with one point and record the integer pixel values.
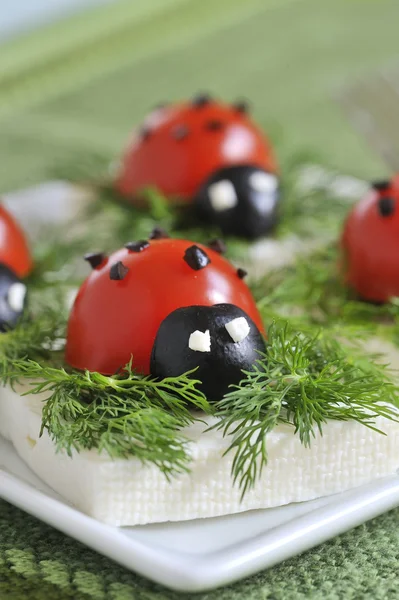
(14, 251)
(112, 320)
(370, 244)
(180, 146)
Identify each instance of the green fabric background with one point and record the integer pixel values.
(37, 562)
(69, 95)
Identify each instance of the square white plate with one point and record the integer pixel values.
(203, 554)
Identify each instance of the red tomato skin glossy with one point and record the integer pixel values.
(114, 320)
(177, 167)
(14, 250)
(370, 244)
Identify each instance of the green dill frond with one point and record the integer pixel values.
(33, 338)
(311, 294)
(108, 221)
(303, 381)
(310, 286)
(123, 415)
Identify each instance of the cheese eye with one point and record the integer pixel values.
(263, 182)
(222, 195)
(200, 341)
(16, 296)
(386, 206)
(238, 329)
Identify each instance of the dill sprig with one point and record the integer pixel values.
(304, 381)
(122, 415)
(35, 337)
(311, 293)
(109, 221)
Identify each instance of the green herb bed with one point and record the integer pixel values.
(71, 121)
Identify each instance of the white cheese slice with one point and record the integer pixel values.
(123, 492)
(238, 329)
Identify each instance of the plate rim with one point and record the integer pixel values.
(194, 573)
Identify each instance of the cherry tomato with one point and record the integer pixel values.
(181, 145)
(120, 306)
(14, 251)
(370, 243)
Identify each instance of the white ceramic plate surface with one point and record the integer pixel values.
(206, 553)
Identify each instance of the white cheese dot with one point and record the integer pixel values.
(16, 296)
(263, 182)
(222, 195)
(200, 341)
(238, 329)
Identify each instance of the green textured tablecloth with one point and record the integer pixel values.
(37, 562)
(73, 91)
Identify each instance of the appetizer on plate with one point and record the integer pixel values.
(210, 156)
(144, 300)
(171, 404)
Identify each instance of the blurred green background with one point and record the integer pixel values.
(75, 89)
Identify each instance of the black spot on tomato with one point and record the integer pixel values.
(159, 234)
(217, 245)
(214, 125)
(381, 185)
(145, 133)
(241, 106)
(386, 206)
(201, 100)
(95, 259)
(118, 271)
(137, 246)
(196, 258)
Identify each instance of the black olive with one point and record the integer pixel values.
(159, 234)
(241, 200)
(95, 259)
(386, 206)
(241, 106)
(12, 298)
(137, 246)
(201, 100)
(381, 185)
(196, 258)
(118, 271)
(220, 363)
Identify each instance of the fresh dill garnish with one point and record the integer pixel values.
(304, 381)
(311, 293)
(35, 337)
(307, 214)
(123, 415)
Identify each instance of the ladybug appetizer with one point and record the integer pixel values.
(15, 263)
(208, 155)
(370, 243)
(171, 305)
